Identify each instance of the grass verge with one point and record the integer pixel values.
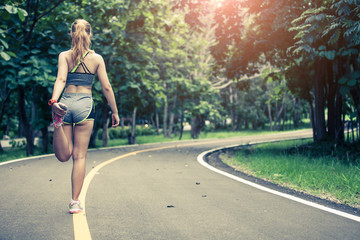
(20, 152)
(317, 169)
(186, 136)
(16, 153)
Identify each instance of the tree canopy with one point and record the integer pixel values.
(259, 64)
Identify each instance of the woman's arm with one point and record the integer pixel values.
(108, 91)
(60, 83)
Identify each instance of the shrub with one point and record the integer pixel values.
(116, 133)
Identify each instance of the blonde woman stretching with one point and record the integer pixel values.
(76, 71)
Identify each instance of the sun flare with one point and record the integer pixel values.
(217, 3)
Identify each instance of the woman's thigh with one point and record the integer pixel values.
(68, 130)
(82, 133)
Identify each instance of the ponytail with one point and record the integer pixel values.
(81, 31)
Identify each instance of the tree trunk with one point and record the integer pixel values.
(319, 112)
(196, 127)
(97, 124)
(270, 116)
(246, 124)
(339, 124)
(232, 108)
(28, 129)
(238, 122)
(353, 131)
(279, 112)
(331, 96)
(157, 121)
(182, 119)
(296, 113)
(92, 143)
(337, 99)
(171, 118)
(171, 124)
(355, 91)
(122, 124)
(7, 131)
(132, 136)
(283, 121)
(105, 124)
(254, 125)
(312, 117)
(165, 118)
(2, 113)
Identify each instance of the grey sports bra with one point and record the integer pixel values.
(80, 79)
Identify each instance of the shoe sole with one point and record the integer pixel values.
(75, 211)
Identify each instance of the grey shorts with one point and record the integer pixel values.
(80, 107)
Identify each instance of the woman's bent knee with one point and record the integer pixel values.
(62, 158)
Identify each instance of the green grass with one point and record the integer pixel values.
(186, 136)
(16, 153)
(304, 166)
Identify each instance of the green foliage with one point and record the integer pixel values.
(6, 12)
(188, 59)
(326, 24)
(328, 34)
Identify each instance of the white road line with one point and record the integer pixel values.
(201, 160)
(27, 158)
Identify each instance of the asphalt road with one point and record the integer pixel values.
(155, 194)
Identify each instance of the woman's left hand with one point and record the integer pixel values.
(58, 110)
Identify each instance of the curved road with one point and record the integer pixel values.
(155, 191)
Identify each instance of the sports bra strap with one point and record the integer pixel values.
(85, 68)
(77, 65)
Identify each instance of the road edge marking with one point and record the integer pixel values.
(201, 161)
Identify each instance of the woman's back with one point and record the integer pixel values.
(89, 65)
(91, 61)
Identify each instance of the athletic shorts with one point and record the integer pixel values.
(80, 107)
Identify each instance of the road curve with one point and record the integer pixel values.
(155, 191)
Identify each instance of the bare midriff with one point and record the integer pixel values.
(77, 89)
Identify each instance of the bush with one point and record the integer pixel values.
(116, 133)
(145, 131)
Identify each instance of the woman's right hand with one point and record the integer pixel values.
(115, 119)
(58, 110)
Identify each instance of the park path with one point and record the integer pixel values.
(155, 191)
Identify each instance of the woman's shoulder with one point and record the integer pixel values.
(65, 54)
(95, 55)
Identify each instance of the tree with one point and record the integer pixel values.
(27, 67)
(327, 35)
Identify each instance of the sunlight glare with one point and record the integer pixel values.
(217, 3)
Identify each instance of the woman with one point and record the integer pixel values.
(76, 70)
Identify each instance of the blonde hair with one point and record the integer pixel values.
(81, 32)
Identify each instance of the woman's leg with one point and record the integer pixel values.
(62, 142)
(82, 133)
